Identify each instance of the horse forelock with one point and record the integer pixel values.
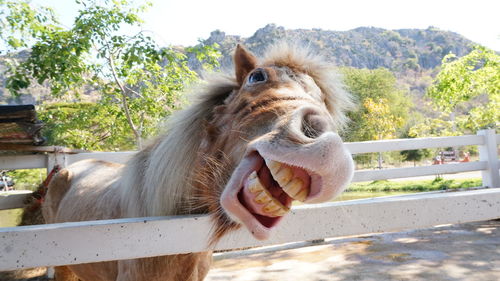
(302, 59)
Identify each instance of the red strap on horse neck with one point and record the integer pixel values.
(54, 170)
(39, 194)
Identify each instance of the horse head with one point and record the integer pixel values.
(272, 140)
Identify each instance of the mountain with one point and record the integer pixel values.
(36, 93)
(363, 47)
(412, 54)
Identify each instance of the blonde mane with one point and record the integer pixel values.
(165, 166)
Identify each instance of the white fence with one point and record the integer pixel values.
(83, 242)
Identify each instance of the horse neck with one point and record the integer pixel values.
(157, 180)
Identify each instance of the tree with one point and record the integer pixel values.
(380, 122)
(383, 107)
(414, 154)
(83, 125)
(380, 102)
(137, 81)
(20, 23)
(468, 90)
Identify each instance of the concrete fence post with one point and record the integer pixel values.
(489, 152)
(56, 158)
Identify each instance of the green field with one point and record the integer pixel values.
(9, 218)
(413, 186)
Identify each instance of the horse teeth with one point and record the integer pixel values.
(293, 187)
(271, 207)
(302, 195)
(281, 212)
(273, 166)
(254, 184)
(275, 208)
(263, 198)
(283, 176)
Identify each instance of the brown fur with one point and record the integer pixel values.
(185, 170)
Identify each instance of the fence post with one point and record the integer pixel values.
(488, 153)
(56, 158)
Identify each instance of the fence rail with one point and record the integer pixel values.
(82, 242)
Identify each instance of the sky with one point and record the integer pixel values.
(183, 22)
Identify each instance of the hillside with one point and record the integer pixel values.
(363, 47)
(412, 54)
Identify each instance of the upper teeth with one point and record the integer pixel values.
(272, 206)
(282, 174)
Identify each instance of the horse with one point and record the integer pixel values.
(247, 146)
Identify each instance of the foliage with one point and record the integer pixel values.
(414, 155)
(383, 107)
(20, 23)
(380, 121)
(85, 126)
(27, 179)
(463, 80)
(441, 126)
(139, 83)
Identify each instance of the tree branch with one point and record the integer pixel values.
(124, 102)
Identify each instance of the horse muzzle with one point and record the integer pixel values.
(276, 171)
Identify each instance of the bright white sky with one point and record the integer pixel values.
(183, 22)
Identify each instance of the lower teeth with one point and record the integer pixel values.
(272, 206)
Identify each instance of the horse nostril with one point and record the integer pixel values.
(313, 125)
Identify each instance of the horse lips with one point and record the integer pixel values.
(268, 192)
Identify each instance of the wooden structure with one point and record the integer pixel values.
(19, 125)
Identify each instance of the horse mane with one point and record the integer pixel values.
(162, 175)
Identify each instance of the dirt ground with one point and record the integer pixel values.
(468, 251)
(452, 252)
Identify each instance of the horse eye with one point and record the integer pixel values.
(257, 76)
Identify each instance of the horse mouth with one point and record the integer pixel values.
(265, 192)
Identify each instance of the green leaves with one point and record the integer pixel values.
(381, 123)
(383, 108)
(138, 83)
(86, 126)
(467, 79)
(21, 24)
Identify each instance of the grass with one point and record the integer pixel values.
(9, 218)
(413, 186)
(367, 194)
(27, 179)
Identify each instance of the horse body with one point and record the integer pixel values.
(242, 152)
(87, 190)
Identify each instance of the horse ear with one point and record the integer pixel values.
(244, 62)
